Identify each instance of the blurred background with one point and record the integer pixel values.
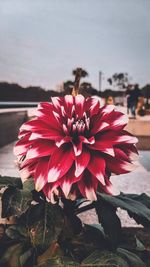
(42, 43)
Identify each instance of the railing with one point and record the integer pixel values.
(14, 104)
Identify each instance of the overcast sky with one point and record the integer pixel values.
(41, 41)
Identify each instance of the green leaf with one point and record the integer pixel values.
(143, 198)
(80, 202)
(135, 208)
(17, 232)
(15, 202)
(41, 236)
(132, 259)
(104, 259)
(139, 245)
(110, 222)
(34, 214)
(97, 227)
(94, 233)
(28, 185)
(26, 256)
(11, 257)
(52, 212)
(10, 181)
(59, 262)
(72, 218)
(46, 221)
(91, 238)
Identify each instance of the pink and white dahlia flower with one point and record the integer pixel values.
(73, 146)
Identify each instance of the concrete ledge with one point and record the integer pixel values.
(139, 127)
(9, 125)
(144, 143)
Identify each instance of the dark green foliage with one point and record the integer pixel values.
(104, 259)
(143, 198)
(15, 201)
(46, 222)
(59, 261)
(40, 225)
(110, 222)
(28, 185)
(12, 256)
(137, 207)
(91, 238)
(120, 258)
(10, 181)
(69, 211)
(131, 258)
(17, 232)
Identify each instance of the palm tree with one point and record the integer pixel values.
(83, 72)
(78, 73)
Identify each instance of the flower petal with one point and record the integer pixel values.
(33, 125)
(106, 140)
(40, 148)
(117, 120)
(92, 105)
(50, 134)
(117, 166)
(108, 188)
(81, 162)
(60, 162)
(28, 170)
(23, 134)
(126, 137)
(97, 167)
(77, 147)
(90, 140)
(107, 109)
(62, 141)
(26, 173)
(22, 145)
(50, 191)
(103, 146)
(131, 152)
(68, 180)
(57, 101)
(79, 105)
(41, 174)
(68, 105)
(88, 186)
(99, 126)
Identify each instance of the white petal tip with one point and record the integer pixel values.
(38, 187)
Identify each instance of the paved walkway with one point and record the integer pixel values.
(136, 182)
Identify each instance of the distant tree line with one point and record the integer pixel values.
(120, 82)
(15, 92)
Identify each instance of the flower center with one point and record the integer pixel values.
(78, 126)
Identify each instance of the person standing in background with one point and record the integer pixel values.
(128, 91)
(133, 100)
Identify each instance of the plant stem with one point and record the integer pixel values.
(45, 222)
(77, 82)
(85, 208)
